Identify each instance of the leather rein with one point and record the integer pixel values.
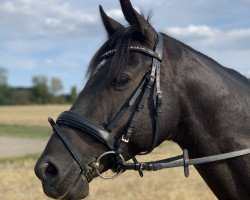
(103, 134)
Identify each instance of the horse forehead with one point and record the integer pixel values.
(108, 70)
(100, 65)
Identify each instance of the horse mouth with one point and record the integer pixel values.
(68, 189)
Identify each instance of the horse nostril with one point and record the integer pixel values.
(47, 171)
(51, 171)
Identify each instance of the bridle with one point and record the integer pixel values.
(103, 134)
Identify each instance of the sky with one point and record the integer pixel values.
(57, 38)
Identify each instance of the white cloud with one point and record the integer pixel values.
(53, 22)
(191, 30)
(49, 62)
(8, 7)
(239, 33)
(248, 73)
(26, 46)
(231, 48)
(118, 14)
(158, 2)
(47, 17)
(205, 36)
(12, 61)
(115, 13)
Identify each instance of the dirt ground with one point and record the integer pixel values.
(19, 147)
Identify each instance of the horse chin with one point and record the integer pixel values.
(76, 191)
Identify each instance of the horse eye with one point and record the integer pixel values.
(121, 81)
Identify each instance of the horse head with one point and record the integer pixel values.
(118, 75)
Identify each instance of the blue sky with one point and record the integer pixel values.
(59, 37)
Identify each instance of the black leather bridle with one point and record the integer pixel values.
(103, 134)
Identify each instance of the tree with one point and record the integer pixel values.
(4, 90)
(40, 90)
(73, 94)
(55, 85)
(3, 76)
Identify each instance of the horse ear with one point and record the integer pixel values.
(110, 24)
(137, 21)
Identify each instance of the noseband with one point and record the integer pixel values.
(103, 134)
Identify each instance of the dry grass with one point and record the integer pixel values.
(168, 184)
(18, 181)
(30, 115)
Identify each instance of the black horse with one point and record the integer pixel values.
(204, 108)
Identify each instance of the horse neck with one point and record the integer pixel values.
(215, 118)
(215, 106)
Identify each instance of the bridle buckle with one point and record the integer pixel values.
(125, 140)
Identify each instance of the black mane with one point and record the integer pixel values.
(119, 41)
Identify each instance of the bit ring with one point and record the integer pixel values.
(121, 159)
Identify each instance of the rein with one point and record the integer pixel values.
(103, 134)
(182, 161)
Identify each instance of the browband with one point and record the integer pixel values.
(79, 122)
(141, 49)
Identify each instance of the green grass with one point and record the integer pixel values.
(33, 157)
(20, 131)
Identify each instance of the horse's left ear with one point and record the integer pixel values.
(110, 24)
(137, 21)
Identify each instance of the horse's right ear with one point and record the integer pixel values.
(110, 24)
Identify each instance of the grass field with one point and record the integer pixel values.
(30, 115)
(17, 179)
(25, 131)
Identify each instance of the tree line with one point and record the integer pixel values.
(42, 91)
